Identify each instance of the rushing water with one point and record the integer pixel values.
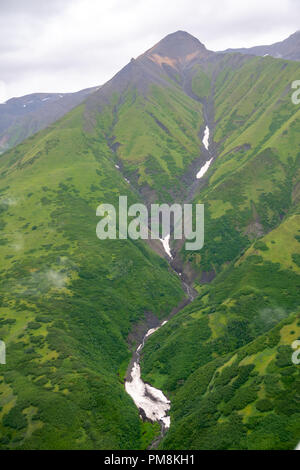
(150, 401)
(204, 169)
(166, 244)
(206, 165)
(205, 140)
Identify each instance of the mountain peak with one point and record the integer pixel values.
(177, 49)
(177, 45)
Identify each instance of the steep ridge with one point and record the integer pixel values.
(287, 49)
(24, 116)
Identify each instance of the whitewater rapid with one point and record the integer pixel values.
(205, 139)
(150, 401)
(203, 169)
(206, 165)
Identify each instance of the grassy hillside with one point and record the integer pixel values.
(154, 137)
(253, 183)
(245, 400)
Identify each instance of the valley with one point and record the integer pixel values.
(152, 404)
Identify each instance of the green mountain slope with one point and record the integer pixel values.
(253, 182)
(244, 400)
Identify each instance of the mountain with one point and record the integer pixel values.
(288, 49)
(74, 308)
(22, 117)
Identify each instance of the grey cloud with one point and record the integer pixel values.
(32, 7)
(65, 45)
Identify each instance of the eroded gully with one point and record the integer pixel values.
(152, 404)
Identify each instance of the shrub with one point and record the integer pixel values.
(260, 245)
(264, 405)
(15, 419)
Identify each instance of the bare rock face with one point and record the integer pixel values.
(177, 49)
(170, 56)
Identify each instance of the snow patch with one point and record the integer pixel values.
(151, 400)
(206, 166)
(204, 169)
(166, 244)
(205, 139)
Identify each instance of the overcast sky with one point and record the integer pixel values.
(67, 45)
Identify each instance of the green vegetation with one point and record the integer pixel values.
(155, 137)
(246, 399)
